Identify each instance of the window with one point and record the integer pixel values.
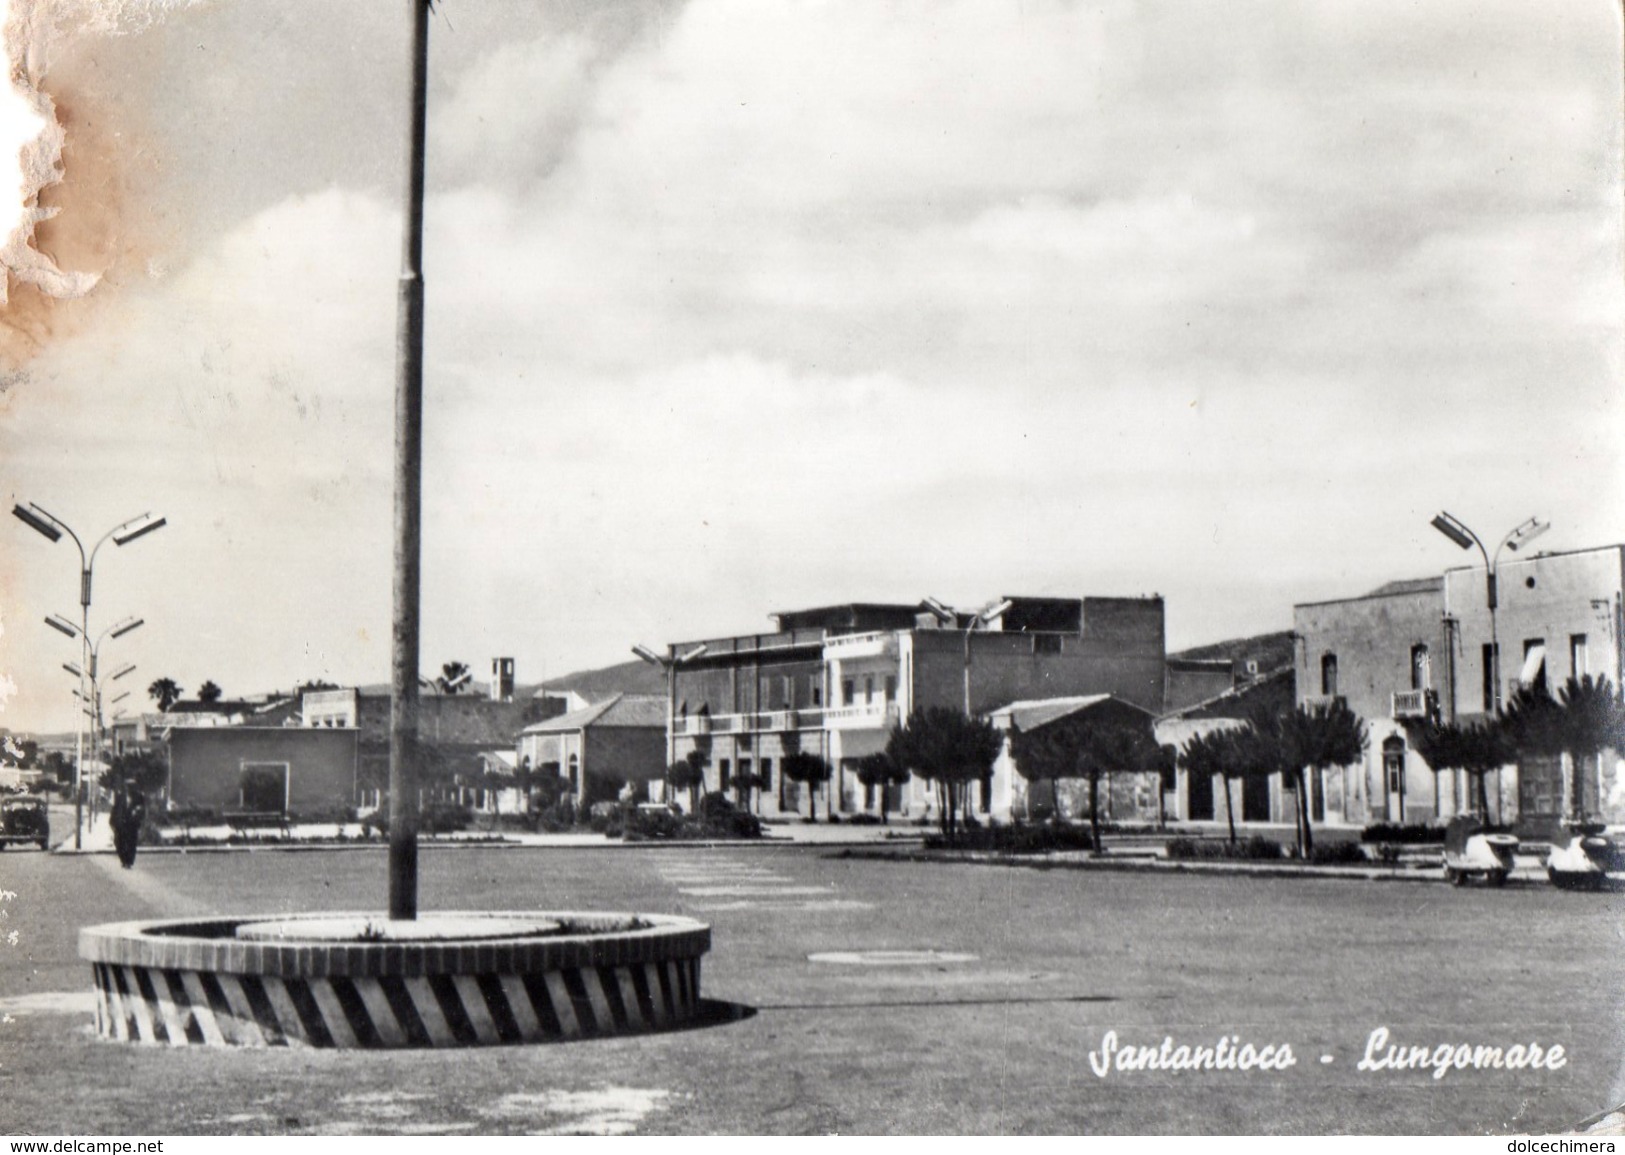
(744, 770)
(1533, 671)
(815, 689)
(1577, 655)
(575, 773)
(724, 768)
(868, 690)
(891, 688)
(1328, 675)
(767, 774)
(1421, 668)
(787, 689)
(848, 688)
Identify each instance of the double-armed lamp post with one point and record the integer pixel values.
(91, 672)
(670, 664)
(52, 528)
(1456, 530)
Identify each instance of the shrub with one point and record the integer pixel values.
(1387, 853)
(1254, 849)
(638, 824)
(444, 817)
(1017, 839)
(863, 820)
(1409, 835)
(1339, 854)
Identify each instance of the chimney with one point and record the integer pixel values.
(501, 679)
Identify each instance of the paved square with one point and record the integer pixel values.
(946, 998)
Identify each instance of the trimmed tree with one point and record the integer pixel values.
(879, 772)
(949, 748)
(809, 769)
(1046, 754)
(209, 692)
(1114, 746)
(1205, 754)
(689, 774)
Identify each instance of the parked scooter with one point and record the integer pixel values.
(1471, 853)
(1581, 859)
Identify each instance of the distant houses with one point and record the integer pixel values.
(835, 681)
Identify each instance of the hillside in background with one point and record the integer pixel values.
(1270, 651)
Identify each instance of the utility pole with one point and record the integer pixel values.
(403, 694)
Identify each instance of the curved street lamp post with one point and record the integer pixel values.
(1456, 530)
(52, 528)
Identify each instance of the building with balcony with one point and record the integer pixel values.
(1557, 616)
(833, 681)
(1431, 648)
(1382, 653)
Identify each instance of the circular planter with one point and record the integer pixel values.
(356, 980)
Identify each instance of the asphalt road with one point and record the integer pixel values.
(994, 1033)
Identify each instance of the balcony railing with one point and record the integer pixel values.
(870, 644)
(1413, 704)
(861, 714)
(691, 725)
(1321, 701)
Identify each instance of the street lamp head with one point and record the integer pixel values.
(692, 654)
(73, 669)
(38, 520)
(124, 536)
(126, 627)
(62, 625)
(117, 674)
(1454, 530)
(648, 655)
(1526, 533)
(995, 610)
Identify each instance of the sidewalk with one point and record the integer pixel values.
(1530, 870)
(97, 838)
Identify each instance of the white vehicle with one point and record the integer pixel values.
(1470, 853)
(1581, 859)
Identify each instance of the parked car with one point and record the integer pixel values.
(23, 818)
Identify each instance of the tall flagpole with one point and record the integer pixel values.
(403, 711)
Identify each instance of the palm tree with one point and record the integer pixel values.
(453, 677)
(166, 692)
(209, 692)
(1593, 720)
(1319, 739)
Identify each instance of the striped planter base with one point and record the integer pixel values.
(191, 982)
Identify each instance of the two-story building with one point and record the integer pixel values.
(1557, 616)
(1434, 648)
(1383, 653)
(835, 680)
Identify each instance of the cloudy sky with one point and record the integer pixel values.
(736, 307)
